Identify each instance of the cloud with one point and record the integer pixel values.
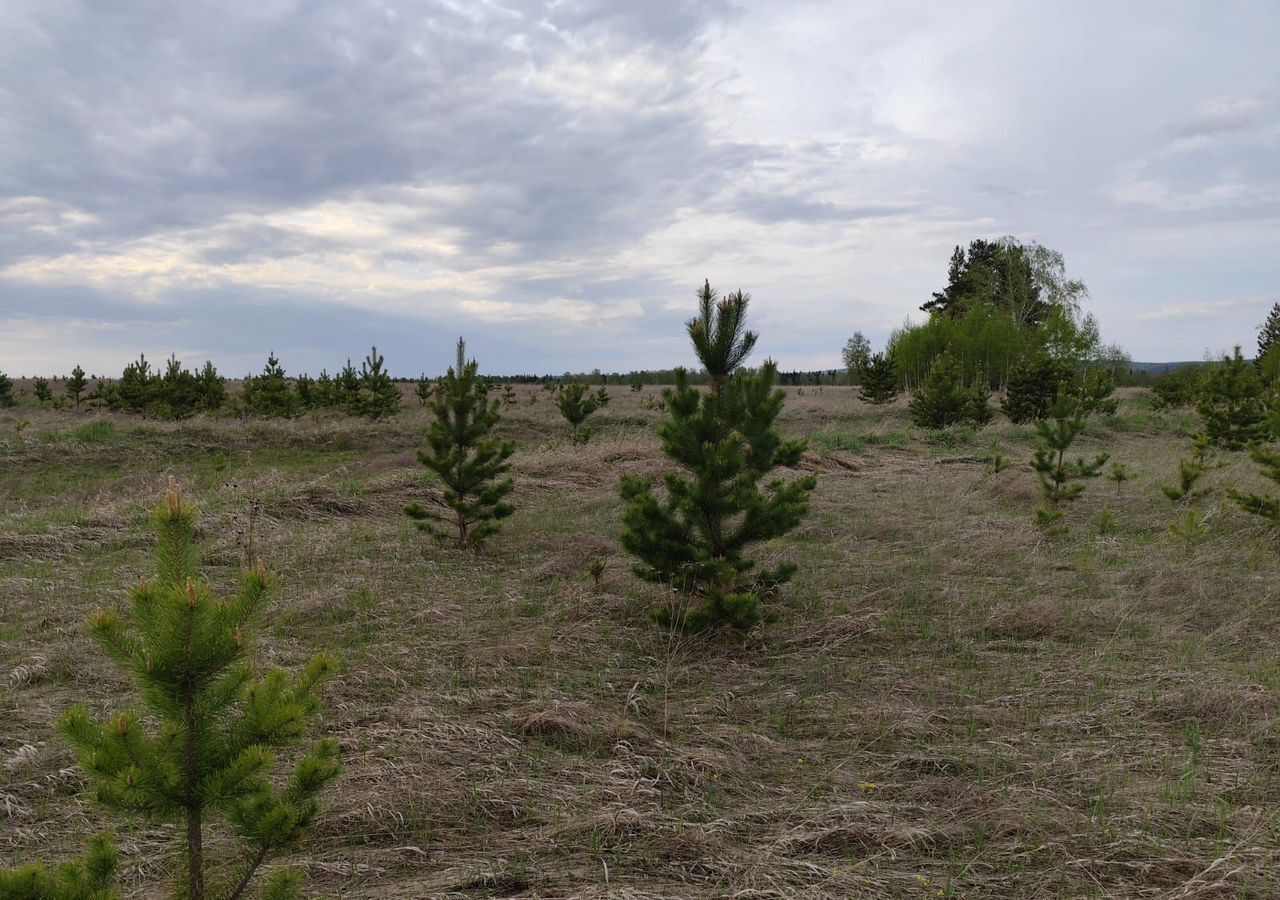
(556, 177)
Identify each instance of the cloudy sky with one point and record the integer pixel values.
(555, 179)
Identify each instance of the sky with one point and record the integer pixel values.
(554, 180)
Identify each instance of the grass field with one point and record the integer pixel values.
(947, 703)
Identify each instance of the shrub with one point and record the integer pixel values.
(469, 460)
(1177, 389)
(1035, 384)
(696, 540)
(92, 878)
(943, 400)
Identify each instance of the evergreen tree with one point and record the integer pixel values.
(1035, 383)
(1232, 404)
(75, 385)
(577, 402)
(696, 540)
(347, 388)
(378, 394)
(468, 459)
(135, 391)
(425, 388)
(42, 391)
(1262, 504)
(91, 878)
(879, 380)
(215, 721)
(305, 387)
(6, 391)
(1269, 333)
(1060, 480)
(324, 393)
(211, 388)
(1096, 392)
(943, 400)
(1190, 471)
(270, 394)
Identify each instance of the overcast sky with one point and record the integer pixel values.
(555, 180)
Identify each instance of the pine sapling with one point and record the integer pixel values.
(1061, 481)
(75, 385)
(577, 402)
(424, 389)
(42, 391)
(1190, 471)
(1232, 403)
(213, 724)
(696, 539)
(1263, 505)
(90, 878)
(6, 392)
(378, 396)
(1118, 474)
(879, 380)
(468, 459)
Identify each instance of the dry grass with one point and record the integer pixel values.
(947, 703)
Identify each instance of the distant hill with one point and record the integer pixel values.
(1162, 368)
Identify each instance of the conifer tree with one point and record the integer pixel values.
(943, 400)
(577, 402)
(378, 395)
(214, 721)
(75, 385)
(1190, 471)
(696, 539)
(6, 391)
(305, 387)
(347, 388)
(42, 391)
(1262, 504)
(90, 878)
(468, 459)
(879, 380)
(1269, 333)
(1060, 480)
(1035, 383)
(424, 389)
(270, 394)
(1232, 404)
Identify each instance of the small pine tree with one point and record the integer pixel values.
(637, 384)
(1035, 383)
(1261, 504)
(879, 380)
(943, 400)
(215, 721)
(42, 391)
(577, 402)
(379, 396)
(1118, 474)
(696, 540)
(1232, 404)
(91, 878)
(6, 391)
(1190, 471)
(75, 385)
(467, 458)
(347, 388)
(1096, 392)
(425, 388)
(305, 387)
(1269, 333)
(270, 394)
(1060, 480)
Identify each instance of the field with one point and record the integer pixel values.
(947, 703)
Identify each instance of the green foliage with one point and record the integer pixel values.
(1269, 333)
(985, 342)
(269, 393)
(6, 392)
(1177, 389)
(857, 356)
(998, 273)
(1096, 390)
(577, 402)
(637, 384)
(596, 570)
(91, 878)
(1190, 471)
(1035, 384)
(943, 400)
(175, 393)
(1231, 402)
(1118, 474)
(41, 388)
(1061, 481)
(696, 540)
(377, 396)
(879, 380)
(468, 459)
(1262, 504)
(215, 718)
